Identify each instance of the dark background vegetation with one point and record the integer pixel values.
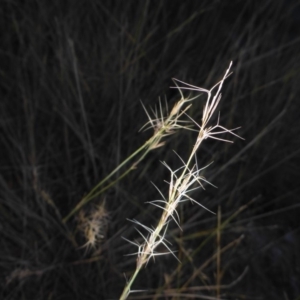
(72, 76)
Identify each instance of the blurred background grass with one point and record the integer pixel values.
(72, 77)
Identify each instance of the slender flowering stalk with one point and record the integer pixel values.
(162, 126)
(182, 182)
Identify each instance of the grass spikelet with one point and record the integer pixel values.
(93, 226)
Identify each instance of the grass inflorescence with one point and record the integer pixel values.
(181, 183)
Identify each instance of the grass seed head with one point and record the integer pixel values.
(93, 226)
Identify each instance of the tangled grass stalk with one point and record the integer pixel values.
(182, 182)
